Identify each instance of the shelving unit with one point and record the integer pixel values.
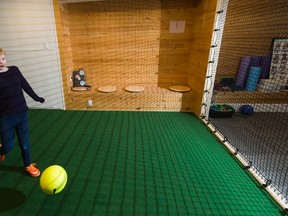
(251, 97)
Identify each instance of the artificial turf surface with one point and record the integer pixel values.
(130, 163)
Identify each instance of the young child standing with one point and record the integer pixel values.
(14, 113)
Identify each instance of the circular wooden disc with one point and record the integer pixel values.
(107, 89)
(80, 88)
(180, 88)
(134, 88)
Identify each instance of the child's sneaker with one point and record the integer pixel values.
(2, 158)
(32, 170)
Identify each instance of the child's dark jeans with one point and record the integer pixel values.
(8, 126)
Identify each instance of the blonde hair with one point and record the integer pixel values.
(2, 51)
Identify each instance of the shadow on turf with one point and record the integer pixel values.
(12, 169)
(11, 199)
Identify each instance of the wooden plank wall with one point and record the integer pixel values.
(128, 42)
(249, 29)
(116, 43)
(65, 49)
(201, 34)
(175, 48)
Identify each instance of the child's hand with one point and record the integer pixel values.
(41, 100)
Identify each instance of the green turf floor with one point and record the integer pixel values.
(130, 163)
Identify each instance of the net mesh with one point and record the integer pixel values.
(251, 76)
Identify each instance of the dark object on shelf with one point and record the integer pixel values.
(228, 82)
(79, 81)
(221, 111)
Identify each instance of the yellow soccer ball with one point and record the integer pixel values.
(53, 179)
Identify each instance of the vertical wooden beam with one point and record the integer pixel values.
(202, 34)
(65, 53)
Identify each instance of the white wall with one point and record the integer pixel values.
(28, 34)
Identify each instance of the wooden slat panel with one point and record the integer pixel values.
(152, 99)
(116, 38)
(204, 20)
(252, 97)
(249, 29)
(128, 42)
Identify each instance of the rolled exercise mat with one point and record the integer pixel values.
(242, 72)
(265, 67)
(253, 79)
(255, 61)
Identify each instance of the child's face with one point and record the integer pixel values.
(2, 61)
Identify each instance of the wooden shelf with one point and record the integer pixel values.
(251, 97)
(151, 99)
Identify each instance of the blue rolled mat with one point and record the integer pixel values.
(253, 78)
